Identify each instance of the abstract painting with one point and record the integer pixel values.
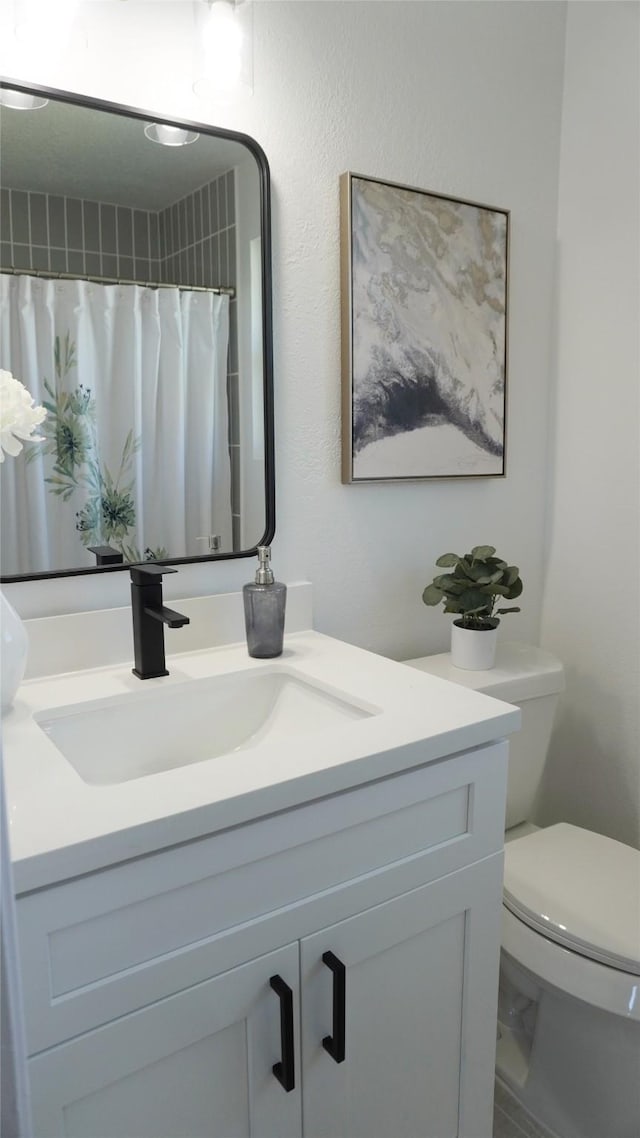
(424, 333)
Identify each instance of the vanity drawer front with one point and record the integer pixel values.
(98, 947)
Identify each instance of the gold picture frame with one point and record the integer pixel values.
(424, 298)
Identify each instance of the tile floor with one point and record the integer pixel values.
(510, 1120)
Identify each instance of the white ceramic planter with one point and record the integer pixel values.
(473, 649)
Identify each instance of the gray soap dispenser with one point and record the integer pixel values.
(264, 605)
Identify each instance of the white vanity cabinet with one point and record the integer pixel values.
(151, 1005)
(190, 1066)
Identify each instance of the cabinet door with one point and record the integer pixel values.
(193, 1065)
(420, 980)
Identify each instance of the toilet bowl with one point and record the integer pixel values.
(568, 1040)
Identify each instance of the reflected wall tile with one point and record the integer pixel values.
(234, 407)
(125, 268)
(191, 264)
(182, 225)
(20, 229)
(91, 227)
(75, 236)
(39, 226)
(109, 265)
(190, 215)
(5, 214)
(234, 455)
(124, 221)
(142, 269)
(236, 535)
(58, 260)
(230, 197)
(224, 258)
(206, 210)
(162, 234)
(75, 262)
(175, 228)
(154, 235)
(213, 207)
(22, 257)
(215, 261)
(141, 234)
(93, 264)
(108, 229)
(206, 263)
(40, 258)
(233, 336)
(231, 256)
(222, 202)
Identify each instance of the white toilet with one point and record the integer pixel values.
(569, 1006)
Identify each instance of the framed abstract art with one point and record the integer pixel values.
(424, 333)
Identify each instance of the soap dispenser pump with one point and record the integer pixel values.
(264, 606)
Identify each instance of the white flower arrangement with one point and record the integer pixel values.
(19, 415)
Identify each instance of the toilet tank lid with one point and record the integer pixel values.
(521, 671)
(580, 889)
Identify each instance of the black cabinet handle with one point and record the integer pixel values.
(334, 1044)
(285, 1070)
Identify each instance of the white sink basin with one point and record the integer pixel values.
(122, 738)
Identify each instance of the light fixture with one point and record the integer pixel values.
(169, 135)
(225, 48)
(20, 101)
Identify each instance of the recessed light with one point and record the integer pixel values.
(169, 135)
(20, 101)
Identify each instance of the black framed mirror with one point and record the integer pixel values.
(135, 265)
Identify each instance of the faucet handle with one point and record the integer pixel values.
(144, 574)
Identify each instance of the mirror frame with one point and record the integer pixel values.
(267, 326)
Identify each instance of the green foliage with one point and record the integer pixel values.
(479, 581)
(108, 513)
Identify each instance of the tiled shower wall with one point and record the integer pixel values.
(55, 234)
(192, 241)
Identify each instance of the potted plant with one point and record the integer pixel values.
(477, 583)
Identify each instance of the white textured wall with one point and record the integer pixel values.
(460, 98)
(591, 596)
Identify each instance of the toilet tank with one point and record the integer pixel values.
(533, 680)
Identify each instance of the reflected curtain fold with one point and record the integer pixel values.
(136, 452)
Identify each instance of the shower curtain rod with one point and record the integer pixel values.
(222, 291)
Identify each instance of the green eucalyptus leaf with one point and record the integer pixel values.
(482, 552)
(449, 584)
(463, 570)
(478, 579)
(432, 595)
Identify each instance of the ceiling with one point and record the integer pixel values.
(101, 156)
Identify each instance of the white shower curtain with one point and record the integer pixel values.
(136, 452)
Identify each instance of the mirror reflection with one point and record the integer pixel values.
(135, 308)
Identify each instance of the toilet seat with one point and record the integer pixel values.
(550, 963)
(579, 889)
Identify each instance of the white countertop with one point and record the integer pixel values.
(61, 826)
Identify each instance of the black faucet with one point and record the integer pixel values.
(149, 619)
